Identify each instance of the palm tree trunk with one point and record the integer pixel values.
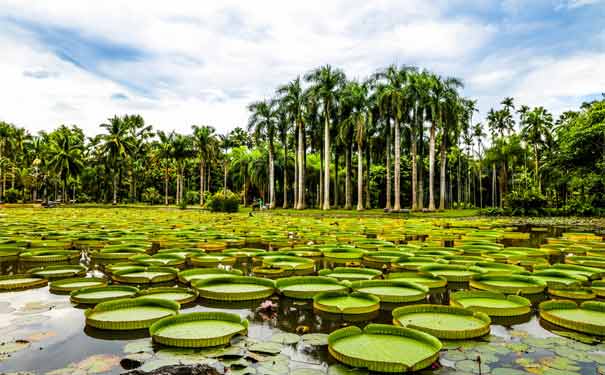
(202, 182)
(459, 181)
(320, 197)
(414, 170)
(493, 184)
(367, 179)
(432, 167)
(348, 190)
(115, 189)
(326, 201)
(301, 169)
(421, 176)
(537, 177)
(271, 179)
(388, 156)
(285, 174)
(397, 204)
(336, 157)
(166, 186)
(359, 178)
(295, 186)
(480, 179)
(225, 177)
(442, 149)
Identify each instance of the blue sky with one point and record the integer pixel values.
(188, 62)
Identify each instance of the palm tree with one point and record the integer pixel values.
(65, 151)
(325, 82)
(394, 98)
(117, 147)
(181, 151)
(283, 127)
(203, 137)
(478, 133)
(241, 159)
(139, 134)
(537, 125)
(263, 124)
(164, 152)
(293, 101)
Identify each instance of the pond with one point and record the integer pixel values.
(43, 333)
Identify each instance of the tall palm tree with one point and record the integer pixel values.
(536, 127)
(325, 83)
(182, 149)
(283, 128)
(478, 133)
(65, 151)
(117, 147)
(164, 152)
(203, 137)
(241, 158)
(263, 125)
(139, 134)
(293, 100)
(394, 98)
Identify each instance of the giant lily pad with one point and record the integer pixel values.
(71, 284)
(94, 295)
(212, 260)
(430, 281)
(159, 260)
(345, 303)
(384, 348)
(234, 288)
(444, 322)
(48, 256)
(588, 318)
(189, 276)
(180, 295)
(130, 313)
(145, 275)
(452, 273)
(512, 284)
(394, 291)
(306, 287)
(350, 273)
(198, 329)
(298, 265)
(58, 271)
(20, 282)
(554, 278)
(491, 303)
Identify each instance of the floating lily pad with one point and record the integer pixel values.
(491, 303)
(345, 303)
(285, 338)
(235, 288)
(317, 339)
(266, 347)
(71, 284)
(306, 287)
(96, 295)
(198, 329)
(180, 295)
(384, 348)
(96, 364)
(20, 282)
(446, 322)
(394, 291)
(130, 313)
(588, 318)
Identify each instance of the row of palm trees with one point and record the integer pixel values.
(393, 125)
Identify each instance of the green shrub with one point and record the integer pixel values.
(12, 195)
(151, 195)
(192, 197)
(526, 203)
(223, 202)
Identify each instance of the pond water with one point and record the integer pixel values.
(44, 333)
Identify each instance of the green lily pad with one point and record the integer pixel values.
(472, 366)
(339, 369)
(138, 346)
(577, 336)
(507, 371)
(95, 364)
(266, 347)
(317, 339)
(306, 371)
(285, 338)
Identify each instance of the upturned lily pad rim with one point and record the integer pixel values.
(128, 303)
(183, 342)
(125, 275)
(573, 293)
(69, 270)
(30, 284)
(76, 296)
(384, 329)
(435, 283)
(59, 286)
(266, 288)
(319, 303)
(436, 268)
(449, 334)
(193, 294)
(481, 283)
(548, 312)
(207, 271)
(371, 273)
(283, 284)
(421, 294)
(524, 305)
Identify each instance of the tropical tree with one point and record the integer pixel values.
(203, 140)
(325, 83)
(117, 147)
(163, 149)
(182, 149)
(65, 151)
(536, 129)
(263, 125)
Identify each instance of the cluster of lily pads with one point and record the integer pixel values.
(348, 267)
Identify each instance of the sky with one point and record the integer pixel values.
(180, 63)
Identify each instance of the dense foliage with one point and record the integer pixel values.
(327, 141)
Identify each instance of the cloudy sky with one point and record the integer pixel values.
(180, 63)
